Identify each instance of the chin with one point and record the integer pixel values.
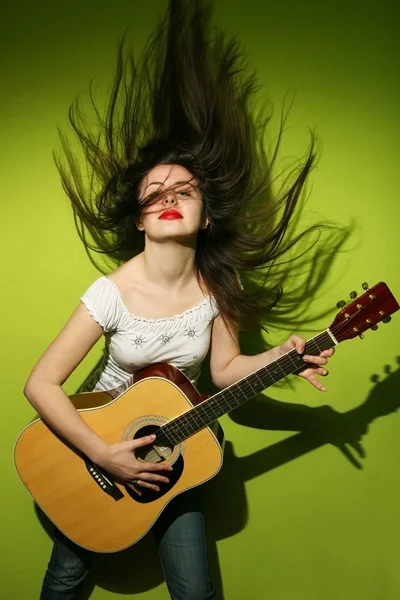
(178, 237)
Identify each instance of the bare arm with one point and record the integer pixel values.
(228, 365)
(43, 390)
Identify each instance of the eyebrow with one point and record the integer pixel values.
(187, 182)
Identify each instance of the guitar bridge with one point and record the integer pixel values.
(103, 481)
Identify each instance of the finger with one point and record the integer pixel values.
(133, 488)
(139, 483)
(143, 441)
(316, 360)
(308, 372)
(144, 476)
(298, 342)
(327, 353)
(147, 485)
(149, 466)
(314, 381)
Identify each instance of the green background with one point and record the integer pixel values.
(294, 516)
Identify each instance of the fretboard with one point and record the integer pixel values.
(208, 411)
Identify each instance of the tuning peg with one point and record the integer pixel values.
(341, 303)
(365, 286)
(361, 336)
(353, 295)
(386, 319)
(374, 327)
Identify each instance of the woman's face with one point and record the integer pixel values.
(177, 212)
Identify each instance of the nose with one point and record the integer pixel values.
(169, 199)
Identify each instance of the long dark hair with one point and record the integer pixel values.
(189, 100)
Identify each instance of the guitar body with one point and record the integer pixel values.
(82, 501)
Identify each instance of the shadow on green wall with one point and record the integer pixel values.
(137, 569)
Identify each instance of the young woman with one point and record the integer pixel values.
(179, 197)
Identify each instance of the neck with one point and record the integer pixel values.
(169, 264)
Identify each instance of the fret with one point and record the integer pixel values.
(280, 365)
(187, 422)
(260, 381)
(198, 419)
(312, 348)
(233, 396)
(267, 378)
(296, 360)
(290, 359)
(175, 440)
(162, 437)
(255, 384)
(245, 382)
(171, 428)
(274, 373)
(180, 429)
(183, 421)
(237, 388)
(210, 405)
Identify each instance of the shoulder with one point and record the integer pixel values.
(131, 271)
(103, 302)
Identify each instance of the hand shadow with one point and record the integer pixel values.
(317, 426)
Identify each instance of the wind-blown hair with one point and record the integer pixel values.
(188, 101)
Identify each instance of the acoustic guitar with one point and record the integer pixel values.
(104, 515)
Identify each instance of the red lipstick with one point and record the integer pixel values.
(170, 214)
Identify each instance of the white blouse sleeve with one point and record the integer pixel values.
(103, 303)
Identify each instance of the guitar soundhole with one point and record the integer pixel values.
(156, 453)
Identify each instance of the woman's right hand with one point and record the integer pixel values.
(119, 460)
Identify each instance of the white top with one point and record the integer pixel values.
(135, 342)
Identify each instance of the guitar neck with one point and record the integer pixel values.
(240, 392)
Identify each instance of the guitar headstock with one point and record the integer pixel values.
(374, 306)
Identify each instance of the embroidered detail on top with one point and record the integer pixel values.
(138, 341)
(191, 333)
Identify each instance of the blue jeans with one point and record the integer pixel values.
(181, 542)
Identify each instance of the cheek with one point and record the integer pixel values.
(150, 212)
(149, 215)
(197, 209)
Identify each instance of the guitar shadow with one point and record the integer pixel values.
(137, 569)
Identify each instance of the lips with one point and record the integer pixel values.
(170, 214)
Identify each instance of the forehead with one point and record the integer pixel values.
(167, 175)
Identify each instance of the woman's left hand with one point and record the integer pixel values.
(315, 364)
